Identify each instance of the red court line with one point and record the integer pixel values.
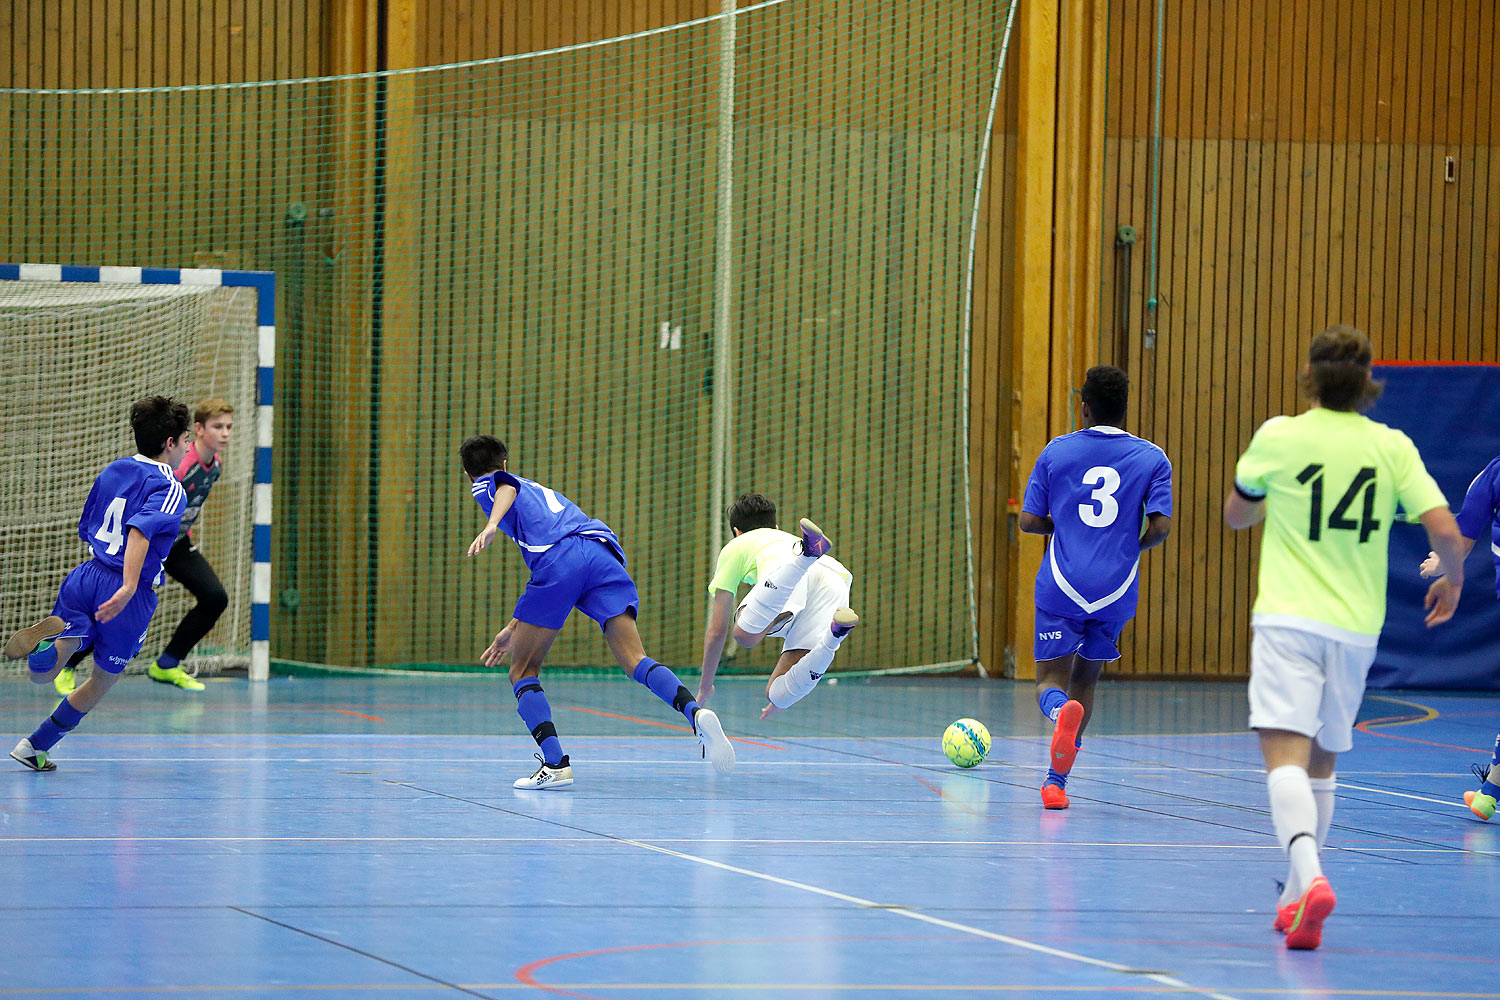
(664, 725)
(360, 715)
(1433, 364)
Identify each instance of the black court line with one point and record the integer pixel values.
(360, 951)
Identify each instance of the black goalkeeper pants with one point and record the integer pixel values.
(186, 565)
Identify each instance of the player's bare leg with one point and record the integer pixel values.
(526, 646)
(624, 641)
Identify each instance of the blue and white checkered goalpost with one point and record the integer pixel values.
(264, 285)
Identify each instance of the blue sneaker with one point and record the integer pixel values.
(814, 542)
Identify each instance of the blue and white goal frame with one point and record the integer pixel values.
(264, 284)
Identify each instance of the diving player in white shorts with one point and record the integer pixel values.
(798, 593)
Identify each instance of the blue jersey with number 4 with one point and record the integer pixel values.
(540, 517)
(138, 493)
(1097, 485)
(1480, 514)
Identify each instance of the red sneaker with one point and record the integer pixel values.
(1305, 932)
(1054, 797)
(1065, 737)
(1285, 914)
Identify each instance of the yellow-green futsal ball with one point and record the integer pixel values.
(966, 742)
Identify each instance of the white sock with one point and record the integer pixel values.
(1322, 789)
(798, 682)
(768, 598)
(1294, 814)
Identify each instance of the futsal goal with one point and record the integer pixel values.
(81, 344)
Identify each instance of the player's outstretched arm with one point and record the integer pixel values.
(1447, 542)
(1432, 566)
(720, 620)
(1158, 527)
(135, 556)
(504, 497)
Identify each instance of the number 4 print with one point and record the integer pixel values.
(1338, 521)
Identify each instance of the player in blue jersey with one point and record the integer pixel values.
(129, 522)
(1479, 515)
(1103, 497)
(576, 562)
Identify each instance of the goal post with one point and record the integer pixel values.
(96, 338)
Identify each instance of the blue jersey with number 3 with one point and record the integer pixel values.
(540, 517)
(138, 493)
(1097, 485)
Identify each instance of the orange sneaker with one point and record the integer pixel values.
(1054, 797)
(1305, 932)
(1065, 737)
(1285, 914)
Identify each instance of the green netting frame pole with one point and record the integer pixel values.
(723, 277)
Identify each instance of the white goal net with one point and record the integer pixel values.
(76, 355)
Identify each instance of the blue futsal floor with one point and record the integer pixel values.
(359, 838)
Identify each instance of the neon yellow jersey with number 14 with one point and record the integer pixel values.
(1332, 482)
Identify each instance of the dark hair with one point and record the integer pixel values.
(1338, 370)
(752, 510)
(155, 420)
(482, 453)
(1107, 391)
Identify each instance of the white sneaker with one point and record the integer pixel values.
(716, 746)
(30, 757)
(547, 776)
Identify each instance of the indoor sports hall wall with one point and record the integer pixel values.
(531, 247)
(1302, 153)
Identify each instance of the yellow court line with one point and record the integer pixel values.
(1431, 713)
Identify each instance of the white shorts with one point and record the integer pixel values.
(821, 592)
(1307, 683)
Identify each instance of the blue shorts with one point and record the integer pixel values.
(581, 573)
(1094, 638)
(116, 641)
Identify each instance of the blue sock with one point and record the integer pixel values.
(59, 724)
(1051, 701)
(44, 659)
(665, 685)
(167, 661)
(1053, 778)
(532, 705)
(1495, 757)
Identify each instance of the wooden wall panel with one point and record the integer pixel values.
(209, 178)
(1301, 184)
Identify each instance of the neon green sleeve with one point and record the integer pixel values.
(1252, 472)
(734, 562)
(1416, 491)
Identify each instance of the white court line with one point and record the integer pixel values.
(1404, 795)
(911, 914)
(791, 842)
